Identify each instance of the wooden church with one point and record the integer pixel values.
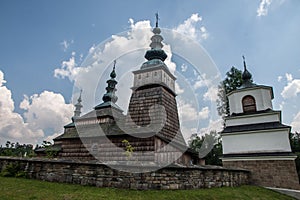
(148, 134)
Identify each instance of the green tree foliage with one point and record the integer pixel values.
(232, 81)
(49, 150)
(128, 148)
(12, 170)
(295, 146)
(17, 150)
(209, 146)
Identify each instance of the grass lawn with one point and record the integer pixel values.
(18, 188)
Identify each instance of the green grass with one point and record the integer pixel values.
(18, 188)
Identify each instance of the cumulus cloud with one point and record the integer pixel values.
(188, 112)
(12, 125)
(178, 89)
(211, 93)
(189, 28)
(296, 123)
(44, 114)
(184, 67)
(92, 49)
(292, 88)
(47, 110)
(263, 7)
(214, 125)
(289, 77)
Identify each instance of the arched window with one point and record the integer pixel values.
(249, 104)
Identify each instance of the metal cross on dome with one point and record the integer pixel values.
(157, 18)
(115, 62)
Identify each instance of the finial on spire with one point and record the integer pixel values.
(115, 62)
(113, 73)
(79, 98)
(156, 15)
(78, 107)
(110, 96)
(245, 67)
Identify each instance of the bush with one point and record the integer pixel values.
(13, 170)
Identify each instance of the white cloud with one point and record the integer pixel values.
(279, 78)
(296, 123)
(43, 112)
(264, 5)
(178, 89)
(292, 89)
(214, 125)
(189, 28)
(68, 69)
(184, 67)
(12, 125)
(92, 49)
(202, 81)
(289, 77)
(65, 44)
(212, 89)
(187, 132)
(211, 94)
(204, 113)
(188, 112)
(47, 110)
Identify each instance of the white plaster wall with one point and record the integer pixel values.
(262, 97)
(148, 77)
(258, 142)
(253, 119)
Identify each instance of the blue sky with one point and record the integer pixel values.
(38, 36)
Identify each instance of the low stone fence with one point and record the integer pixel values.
(100, 175)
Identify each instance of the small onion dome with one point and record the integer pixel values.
(246, 75)
(156, 30)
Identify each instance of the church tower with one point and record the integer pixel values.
(154, 85)
(255, 139)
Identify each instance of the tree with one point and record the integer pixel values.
(232, 81)
(295, 146)
(17, 149)
(208, 146)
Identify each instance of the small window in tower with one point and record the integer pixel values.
(249, 104)
(139, 76)
(155, 73)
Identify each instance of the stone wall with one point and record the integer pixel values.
(269, 173)
(101, 175)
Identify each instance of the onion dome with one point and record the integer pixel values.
(246, 76)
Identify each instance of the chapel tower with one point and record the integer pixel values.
(255, 139)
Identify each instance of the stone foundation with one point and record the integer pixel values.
(269, 173)
(101, 175)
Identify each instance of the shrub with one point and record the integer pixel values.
(13, 170)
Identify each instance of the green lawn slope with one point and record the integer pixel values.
(19, 188)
